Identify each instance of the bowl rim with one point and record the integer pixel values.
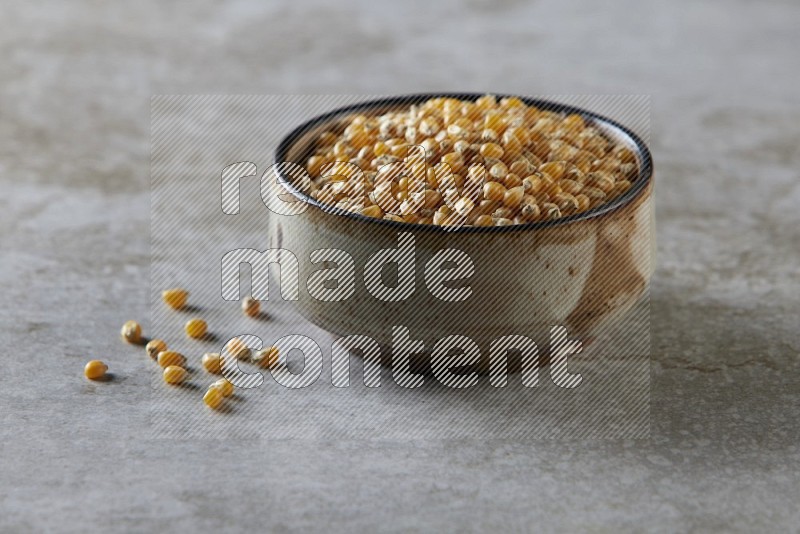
(621, 133)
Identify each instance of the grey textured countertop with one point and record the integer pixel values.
(74, 167)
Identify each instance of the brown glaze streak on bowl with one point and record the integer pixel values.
(583, 272)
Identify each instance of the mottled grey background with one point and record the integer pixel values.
(74, 155)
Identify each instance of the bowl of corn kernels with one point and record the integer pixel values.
(548, 208)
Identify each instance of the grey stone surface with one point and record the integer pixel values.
(74, 150)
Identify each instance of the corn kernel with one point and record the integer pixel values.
(620, 187)
(550, 211)
(225, 387)
(237, 348)
(171, 357)
(494, 191)
(131, 332)
(491, 150)
(95, 369)
(570, 186)
(251, 307)
(174, 374)
(212, 362)
(498, 171)
(464, 205)
(512, 180)
(455, 160)
(213, 397)
(532, 184)
(196, 328)
(372, 211)
(530, 212)
(513, 197)
(175, 298)
(583, 202)
(154, 346)
(555, 169)
(267, 357)
(484, 220)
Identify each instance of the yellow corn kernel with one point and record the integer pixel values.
(513, 197)
(237, 348)
(498, 171)
(95, 369)
(267, 357)
(131, 332)
(555, 169)
(573, 123)
(625, 154)
(512, 102)
(530, 212)
(494, 120)
(212, 362)
(513, 147)
(174, 374)
(583, 202)
(550, 211)
(494, 191)
(512, 180)
(464, 205)
(566, 202)
(154, 346)
(595, 194)
(483, 220)
(532, 184)
(520, 167)
(175, 298)
(315, 163)
(196, 328)
(171, 357)
(503, 221)
(213, 397)
(251, 307)
(620, 187)
(601, 180)
(491, 150)
(225, 387)
(372, 211)
(486, 102)
(455, 160)
(570, 186)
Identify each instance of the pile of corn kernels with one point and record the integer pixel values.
(173, 363)
(481, 163)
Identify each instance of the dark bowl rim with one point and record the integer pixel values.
(621, 133)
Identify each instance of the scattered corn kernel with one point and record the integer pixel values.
(237, 348)
(267, 357)
(212, 362)
(251, 306)
(213, 397)
(170, 357)
(95, 369)
(154, 346)
(225, 387)
(174, 374)
(131, 332)
(175, 298)
(196, 328)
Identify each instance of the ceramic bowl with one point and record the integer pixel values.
(583, 272)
